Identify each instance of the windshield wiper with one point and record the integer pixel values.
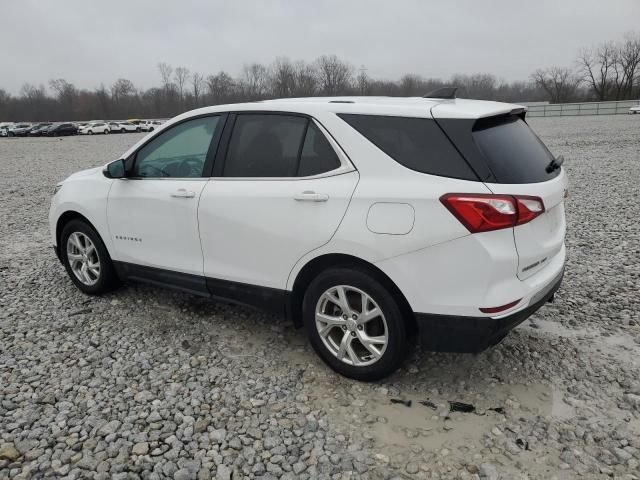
(555, 164)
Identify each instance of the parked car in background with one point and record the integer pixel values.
(366, 220)
(4, 129)
(150, 125)
(129, 127)
(39, 129)
(62, 129)
(19, 130)
(80, 125)
(635, 109)
(123, 127)
(93, 128)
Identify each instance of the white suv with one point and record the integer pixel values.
(94, 127)
(367, 220)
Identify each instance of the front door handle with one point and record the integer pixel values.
(309, 196)
(183, 193)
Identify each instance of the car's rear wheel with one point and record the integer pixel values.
(86, 258)
(355, 324)
(106, 131)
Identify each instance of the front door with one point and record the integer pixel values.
(153, 212)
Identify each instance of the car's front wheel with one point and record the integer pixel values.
(86, 258)
(355, 324)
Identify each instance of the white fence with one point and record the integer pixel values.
(586, 108)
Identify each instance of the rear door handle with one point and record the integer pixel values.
(183, 193)
(309, 196)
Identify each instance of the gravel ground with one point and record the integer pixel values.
(147, 383)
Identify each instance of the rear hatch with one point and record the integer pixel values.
(510, 159)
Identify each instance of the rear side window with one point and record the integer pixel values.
(317, 154)
(512, 151)
(416, 143)
(275, 145)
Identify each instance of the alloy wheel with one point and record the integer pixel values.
(351, 325)
(83, 258)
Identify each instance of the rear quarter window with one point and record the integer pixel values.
(512, 150)
(416, 143)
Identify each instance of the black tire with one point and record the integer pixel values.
(108, 279)
(397, 341)
(90, 132)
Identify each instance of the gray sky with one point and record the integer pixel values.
(91, 42)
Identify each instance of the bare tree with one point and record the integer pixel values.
(254, 81)
(220, 87)
(122, 88)
(560, 83)
(334, 75)
(597, 67)
(306, 79)
(411, 85)
(31, 92)
(66, 94)
(197, 81)
(166, 71)
(362, 81)
(181, 75)
(625, 67)
(282, 78)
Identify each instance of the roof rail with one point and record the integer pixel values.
(443, 92)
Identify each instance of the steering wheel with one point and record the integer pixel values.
(159, 170)
(194, 165)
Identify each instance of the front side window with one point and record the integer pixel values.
(277, 145)
(179, 152)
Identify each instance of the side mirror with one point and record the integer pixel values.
(115, 169)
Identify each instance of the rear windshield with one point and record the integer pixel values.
(512, 151)
(416, 143)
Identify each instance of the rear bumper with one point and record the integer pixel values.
(445, 333)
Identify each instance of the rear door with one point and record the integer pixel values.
(280, 190)
(519, 162)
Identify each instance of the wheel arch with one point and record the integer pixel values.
(65, 218)
(323, 262)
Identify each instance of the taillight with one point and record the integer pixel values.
(528, 208)
(486, 212)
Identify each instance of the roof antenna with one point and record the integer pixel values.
(443, 92)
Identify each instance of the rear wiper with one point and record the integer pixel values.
(555, 164)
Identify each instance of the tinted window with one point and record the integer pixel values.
(317, 154)
(180, 151)
(416, 143)
(263, 145)
(513, 152)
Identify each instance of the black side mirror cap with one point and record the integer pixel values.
(115, 169)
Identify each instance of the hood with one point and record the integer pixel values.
(84, 173)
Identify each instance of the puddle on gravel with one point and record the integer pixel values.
(437, 429)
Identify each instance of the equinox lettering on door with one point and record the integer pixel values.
(132, 239)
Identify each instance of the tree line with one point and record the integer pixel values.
(610, 71)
